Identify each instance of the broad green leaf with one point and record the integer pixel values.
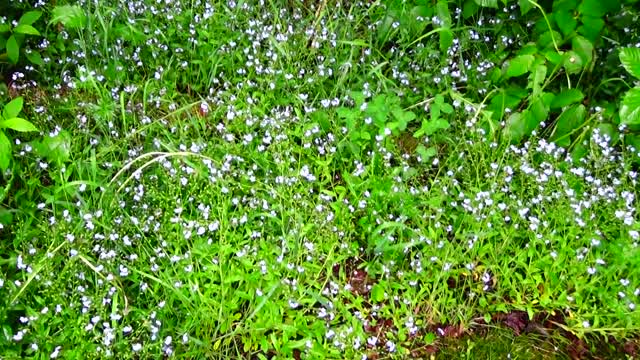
(573, 63)
(592, 7)
(71, 16)
(567, 97)
(487, 3)
(519, 65)
(26, 29)
(565, 21)
(13, 108)
(446, 40)
(429, 127)
(538, 113)
(469, 9)
(610, 131)
(5, 151)
(630, 107)
(17, 124)
(442, 11)
(377, 293)
(56, 148)
(515, 127)
(29, 17)
(13, 50)
(418, 26)
(570, 119)
(426, 153)
(553, 56)
(4, 28)
(584, 48)
(35, 58)
(536, 78)
(591, 27)
(525, 6)
(630, 59)
(546, 39)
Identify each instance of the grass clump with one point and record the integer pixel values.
(320, 180)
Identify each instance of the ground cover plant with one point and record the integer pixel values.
(319, 179)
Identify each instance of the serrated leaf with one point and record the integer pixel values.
(567, 97)
(5, 151)
(13, 108)
(630, 107)
(29, 17)
(71, 16)
(13, 50)
(630, 59)
(18, 124)
(26, 29)
(487, 3)
(519, 65)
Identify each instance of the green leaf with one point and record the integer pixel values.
(429, 127)
(4, 28)
(630, 107)
(446, 39)
(630, 59)
(584, 48)
(56, 148)
(536, 78)
(13, 50)
(377, 293)
(13, 108)
(592, 7)
(567, 97)
(442, 11)
(35, 58)
(26, 29)
(5, 151)
(426, 153)
(18, 124)
(469, 8)
(519, 65)
(525, 6)
(515, 127)
(29, 17)
(546, 39)
(573, 63)
(565, 21)
(591, 27)
(570, 119)
(71, 16)
(488, 3)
